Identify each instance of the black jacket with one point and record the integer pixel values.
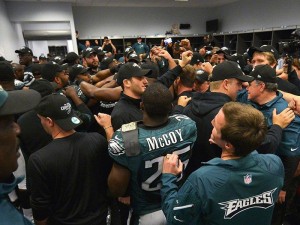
(202, 109)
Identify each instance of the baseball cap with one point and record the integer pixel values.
(2, 59)
(238, 58)
(196, 58)
(71, 57)
(59, 109)
(75, 70)
(42, 86)
(98, 49)
(227, 70)
(202, 76)
(129, 70)
(6, 71)
(50, 70)
(133, 57)
(14, 102)
(152, 66)
(208, 53)
(223, 50)
(105, 62)
(128, 51)
(42, 56)
(87, 52)
(57, 59)
(36, 68)
(263, 48)
(24, 50)
(264, 73)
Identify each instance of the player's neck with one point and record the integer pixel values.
(151, 122)
(228, 156)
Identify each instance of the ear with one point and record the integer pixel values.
(262, 87)
(229, 147)
(225, 84)
(50, 121)
(57, 80)
(126, 83)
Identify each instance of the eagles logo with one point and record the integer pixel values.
(234, 207)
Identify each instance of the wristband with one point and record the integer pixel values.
(107, 127)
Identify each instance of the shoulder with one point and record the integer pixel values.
(182, 121)
(211, 177)
(270, 163)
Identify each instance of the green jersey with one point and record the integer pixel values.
(177, 135)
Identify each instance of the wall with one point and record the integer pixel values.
(93, 22)
(9, 38)
(249, 14)
(31, 12)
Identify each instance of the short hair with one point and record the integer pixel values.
(270, 87)
(188, 76)
(245, 127)
(214, 85)
(270, 57)
(157, 100)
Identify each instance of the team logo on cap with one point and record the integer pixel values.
(75, 120)
(136, 65)
(133, 55)
(66, 107)
(248, 179)
(89, 49)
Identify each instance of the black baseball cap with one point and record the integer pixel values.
(42, 86)
(14, 102)
(59, 109)
(2, 59)
(88, 52)
(128, 51)
(196, 58)
(223, 50)
(71, 57)
(42, 56)
(153, 67)
(133, 57)
(75, 70)
(24, 50)
(105, 62)
(264, 73)
(227, 70)
(50, 70)
(6, 71)
(202, 76)
(263, 48)
(129, 70)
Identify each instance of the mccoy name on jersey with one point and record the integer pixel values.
(177, 135)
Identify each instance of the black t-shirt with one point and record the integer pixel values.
(108, 48)
(68, 180)
(33, 136)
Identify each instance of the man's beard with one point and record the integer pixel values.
(93, 66)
